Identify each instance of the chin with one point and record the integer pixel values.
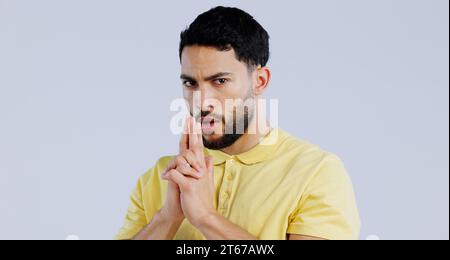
(212, 137)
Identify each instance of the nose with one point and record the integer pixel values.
(205, 100)
(208, 101)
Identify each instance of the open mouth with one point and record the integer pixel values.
(208, 125)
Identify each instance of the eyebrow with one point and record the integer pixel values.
(215, 76)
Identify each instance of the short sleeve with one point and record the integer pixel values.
(327, 208)
(135, 219)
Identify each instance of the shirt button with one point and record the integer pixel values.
(226, 194)
(230, 177)
(224, 207)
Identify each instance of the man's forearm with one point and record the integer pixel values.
(216, 227)
(160, 228)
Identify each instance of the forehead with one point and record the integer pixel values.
(201, 60)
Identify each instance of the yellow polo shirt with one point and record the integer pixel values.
(282, 186)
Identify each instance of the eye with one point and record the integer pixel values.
(189, 83)
(221, 81)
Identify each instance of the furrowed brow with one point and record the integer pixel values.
(217, 75)
(187, 77)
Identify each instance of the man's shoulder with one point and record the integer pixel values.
(158, 168)
(300, 147)
(305, 153)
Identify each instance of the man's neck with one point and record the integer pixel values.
(248, 140)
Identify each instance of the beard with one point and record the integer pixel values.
(238, 124)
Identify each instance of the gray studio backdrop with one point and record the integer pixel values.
(85, 89)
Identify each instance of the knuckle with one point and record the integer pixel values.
(188, 153)
(173, 171)
(179, 159)
(185, 154)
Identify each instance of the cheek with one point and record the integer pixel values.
(234, 90)
(230, 93)
(241, 89)
(188, 99)
(187, 94)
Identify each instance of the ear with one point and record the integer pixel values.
(262, 80)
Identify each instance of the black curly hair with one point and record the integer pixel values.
(228, 27)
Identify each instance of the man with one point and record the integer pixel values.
(232, 178)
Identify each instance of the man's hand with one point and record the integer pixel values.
(194, 176)
(172, 207)
(168, 219)
(193, 173)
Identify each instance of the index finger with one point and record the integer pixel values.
(199, 135)
(196, 141)
(191, 134)
(184, 141)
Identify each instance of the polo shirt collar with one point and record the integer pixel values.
(260, 153)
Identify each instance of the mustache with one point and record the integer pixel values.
(216, 117)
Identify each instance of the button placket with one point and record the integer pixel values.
(225, 192)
